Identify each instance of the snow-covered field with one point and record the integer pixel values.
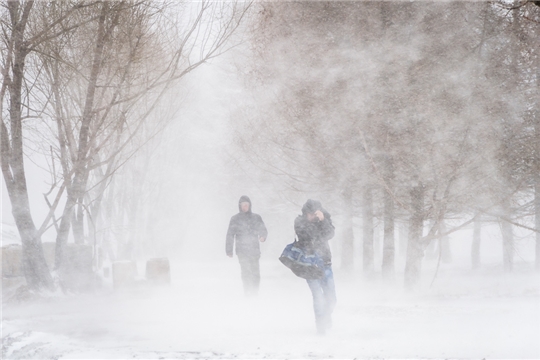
(203, 314)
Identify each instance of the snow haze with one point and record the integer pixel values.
(203, 314)
(231, 126)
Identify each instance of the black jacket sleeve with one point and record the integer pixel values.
(261, 228)
(326, 227)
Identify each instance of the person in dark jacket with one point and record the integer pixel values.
(246, 231)
(314, 228)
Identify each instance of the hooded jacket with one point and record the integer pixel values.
(314, 235)
(245, 228)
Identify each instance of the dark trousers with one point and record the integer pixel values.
(251, 276)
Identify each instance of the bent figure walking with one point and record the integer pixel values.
(246, 231)
(314, 228)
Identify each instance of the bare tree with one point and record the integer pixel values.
(401, 112)
(99, 90)
(20, 39)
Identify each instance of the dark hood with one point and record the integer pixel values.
(242, 199)
(311, 206)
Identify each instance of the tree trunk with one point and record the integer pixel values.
(537, 220)
(77, 222)
(77, 187)
(506, 207)
(403, 235)
(432, 248)
(35, 268)
(367, 224)
(109, 216)
(477, 237)
(444, 244)
(63, 232)
(415, 249)
(388, 242)
(134, 229)
(508, 237)
(536, 172)
(347, 249)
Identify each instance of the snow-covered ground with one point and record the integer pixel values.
(203, 314)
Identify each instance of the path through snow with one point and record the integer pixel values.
(203, 314)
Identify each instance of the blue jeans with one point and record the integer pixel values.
(324, 298)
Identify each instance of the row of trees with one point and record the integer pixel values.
(419, 113)
(83, 85)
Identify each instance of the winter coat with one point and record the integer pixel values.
(314, 236)
(245, 228)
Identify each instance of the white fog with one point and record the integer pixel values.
(267, 120)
